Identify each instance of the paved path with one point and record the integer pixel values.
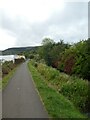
(20, 99)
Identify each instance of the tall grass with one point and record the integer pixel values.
(56, 104)
(73, 88)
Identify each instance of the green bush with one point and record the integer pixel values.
(31, 56)
(71, 59)
(76, 60)
(57, 105)
(74, 88)
(48, 72)
(7, 67)
(77, 92)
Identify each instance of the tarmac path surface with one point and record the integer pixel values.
(20, 99)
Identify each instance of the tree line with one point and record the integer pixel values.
(71, 59)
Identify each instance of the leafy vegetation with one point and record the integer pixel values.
(8, 69)
(7, 77)
(67, 74)
(73, 88)
(74, 60)
(71, 59)
(56, 104)
(51, 51)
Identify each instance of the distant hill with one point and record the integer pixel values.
(17, 50)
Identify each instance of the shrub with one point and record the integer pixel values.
(74, 88)
(31, 56)
(36, 64)
(5, 70)
(7, 67)
(77, 92)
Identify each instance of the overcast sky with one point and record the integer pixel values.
(28, 22)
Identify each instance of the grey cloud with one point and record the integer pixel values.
(75, 16)
(70, 25)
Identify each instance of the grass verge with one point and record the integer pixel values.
(73, 88)
(56, 104)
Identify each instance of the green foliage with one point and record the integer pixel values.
(56, 104)
(31, 56)
(82, 64)
(47, 71)
(76, 60)
(7, 67)
(77, 92)
(47, 41)
(7, 77)
(74, 88)
(71, 59)
(51, 51)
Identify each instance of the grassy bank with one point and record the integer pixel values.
(73, 88)
(56, 104)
